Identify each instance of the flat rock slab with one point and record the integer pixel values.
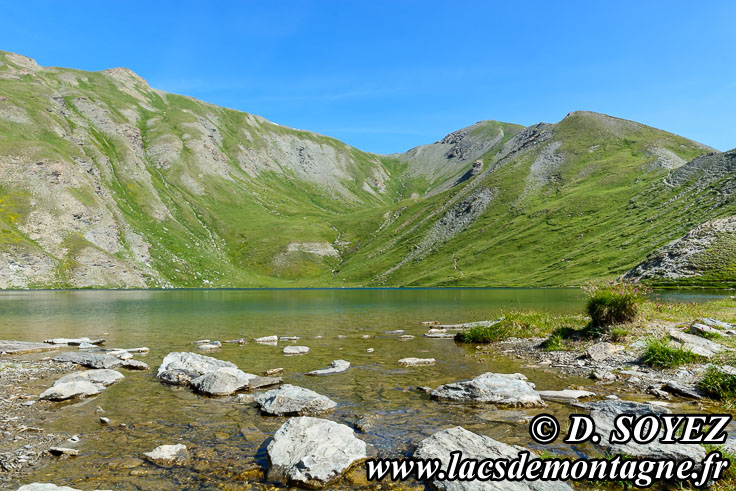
(565, 395)
(474, 446)
(604, 414)
(45, 486)
(168, 455)
(439, 335)
(134, 365)
(696, 344)
(313, 452)
(682, 390)
(289, 400)
(222, 382)
(502, 389)
(89, 360)
(416, 362)
(717, 324)
(71, 390)
(74, 341)
(296, 350)
(267, 340)
(259, 382)
(468, 325)
(180, 368)
(337, 366)
(21, 347)
(102, 377)
(700, 329)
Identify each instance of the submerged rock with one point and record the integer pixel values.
(510, 390)
(292, 400)
(313, 452)
(181, 368)
(604, 414)
(337, 366)
(474, 446)
(70, 390)
(102, 377)
(439, 335)
(89, 360)
(296, 350)
(74, 341)
(168, 455)
(416, 362)
(565, 395)
(222, 382)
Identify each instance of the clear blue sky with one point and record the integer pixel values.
(387, 76)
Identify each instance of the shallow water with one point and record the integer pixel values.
(228, 438)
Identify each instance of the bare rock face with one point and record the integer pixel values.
(180, 368)
(313, 452)
(604, 414)
(89, 360)
(292, 400)
(509, 390)
(167, 455)
(474, 446)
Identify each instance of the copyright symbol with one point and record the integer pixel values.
(544, 428)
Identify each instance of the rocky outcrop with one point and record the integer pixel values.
(474, 446)
(313, 452)
(290, 400)
(507, 390)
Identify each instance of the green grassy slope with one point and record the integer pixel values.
(106, 182)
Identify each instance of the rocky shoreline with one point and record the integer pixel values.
(311, 451)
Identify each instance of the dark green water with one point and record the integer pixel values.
(227, 436)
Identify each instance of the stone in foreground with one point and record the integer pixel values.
(222, 382)
(70, 390)
(134, 365)
(416, 362)
(313, 452)
(89, 360)
(337, 366)
(289, 400)
(502, 389)
(604, 414)
(180, 368)
(45, 486)
(168, 455)
(474, 446)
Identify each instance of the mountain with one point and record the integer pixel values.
(107, 182)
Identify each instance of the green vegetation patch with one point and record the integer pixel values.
(659, 354)
(719, 384)
(613, 304)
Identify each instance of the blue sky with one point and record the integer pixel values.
(387, 76)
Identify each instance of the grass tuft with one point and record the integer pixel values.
(717, 384)
(659, 354)
(613, 304)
